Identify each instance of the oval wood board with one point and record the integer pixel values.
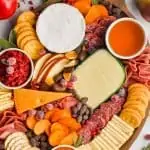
(120, 4)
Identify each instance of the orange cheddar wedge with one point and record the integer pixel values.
(26, 99)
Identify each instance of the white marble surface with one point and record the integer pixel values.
(5, 26)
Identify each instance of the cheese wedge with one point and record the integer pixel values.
(26, 99)
(98, 77)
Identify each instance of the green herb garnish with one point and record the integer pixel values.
(12, 37)
(6, 44)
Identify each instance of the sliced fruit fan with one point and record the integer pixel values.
(74, 75)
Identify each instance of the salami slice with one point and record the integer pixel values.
(85, 133)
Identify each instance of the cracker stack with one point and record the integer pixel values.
(136, 105)
(112, 137)
(18, 141)
(6, 101)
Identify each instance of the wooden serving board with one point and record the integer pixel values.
(127, 145)
(122, 6)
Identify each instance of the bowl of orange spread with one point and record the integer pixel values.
(126, 38)
(64, 147)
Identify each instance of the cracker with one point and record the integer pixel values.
(124, 135)
(21, 25)
(110, 143)
(7, 95)
(94, 145)
(27, 147)
(136, 85)
(110, 137)
(122, 123)
(34, 148)
(6, 106)
(14, 135)
(20, 146)
(19, 140)
(133, 119)
(3, 92)
(104, 144)
(116, 134)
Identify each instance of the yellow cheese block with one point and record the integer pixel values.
(26, 99)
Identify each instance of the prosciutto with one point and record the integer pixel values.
(11, 122)
(138, 69)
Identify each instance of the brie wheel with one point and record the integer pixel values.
(61, 28)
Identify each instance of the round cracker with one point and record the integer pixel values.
(133, 119)
(26, 40)
(34, 48)
(21, 25)
(142, 114)
(13, 136)
(20, 146)
(139, 108)
(19, 143)
(138, 89)
(138, 102)
(25, 29)
(140, 98)
(27, 147)
(33, 148)
(27, 16)
(22, 35)
(139, 93)
(135, 85)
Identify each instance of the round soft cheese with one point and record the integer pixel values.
(61, 28)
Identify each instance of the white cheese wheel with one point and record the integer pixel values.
(61, 28)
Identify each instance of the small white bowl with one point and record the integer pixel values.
(64, 146)
(31, 74)
(111, 49)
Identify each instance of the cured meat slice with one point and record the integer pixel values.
(85, 133)
(100, 118)
(138, 69)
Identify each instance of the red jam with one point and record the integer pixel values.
(15, 68)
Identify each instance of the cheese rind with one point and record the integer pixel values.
(99, 77)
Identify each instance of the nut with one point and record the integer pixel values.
(84, 100)
(79, 105)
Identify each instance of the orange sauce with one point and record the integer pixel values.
(126, 38)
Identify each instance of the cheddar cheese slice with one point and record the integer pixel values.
(26, 99)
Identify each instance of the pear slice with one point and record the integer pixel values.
(56, 69)
(44, 67)
(44, 71)
(51, 59)
(39, 65)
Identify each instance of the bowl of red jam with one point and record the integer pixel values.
(16, 68)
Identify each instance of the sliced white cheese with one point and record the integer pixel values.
(61, 28)
(98, 77)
